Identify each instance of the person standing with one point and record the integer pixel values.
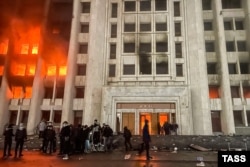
(65, 134)
(96, 130)
(49, 137)
(8, 134)
(42, 126)
(20, 137)
(127, 137)
(146, 140)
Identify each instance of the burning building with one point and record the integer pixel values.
(122, 62)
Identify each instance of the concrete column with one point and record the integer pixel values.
(227, 118)
(94, 77)
(37, 89)
(69, 90)
(246, 4)
(4, 104)
(202, 124)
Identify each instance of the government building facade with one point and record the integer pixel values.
(124, 61)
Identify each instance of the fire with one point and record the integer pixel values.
(28, 92)
(18, 69)
(4, 47)
(17, 92)
(51, 70)
(214, 92)
(1, 70)
(34, 49)
(31, 69)
(62, 70)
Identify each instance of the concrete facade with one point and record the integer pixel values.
(176, 61)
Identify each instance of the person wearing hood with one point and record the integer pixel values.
(65, 135)
(20, 137)
(8, 134)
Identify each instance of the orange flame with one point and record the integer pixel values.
(31, 69)
(62, 70)
(18, 69)
(51, 70)
(4, 47)
(17, 92)
(1, 70)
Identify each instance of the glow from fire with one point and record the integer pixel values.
(18, 69)
(214, 92)
(51, 70)
(31, 69)
(34, 49)
(1, 70)
(62, 70)
(4, 47)
(17, 92)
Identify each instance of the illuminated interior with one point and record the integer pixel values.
(17, 92)
(4, 47)
(62, 70)
(31, 69)
(51, 70)
(214, 92)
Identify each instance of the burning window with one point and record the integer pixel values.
(18, 69)
(4, 47)
(25, 49)
(62, 70)
(28, 92)
(34, 49)
(30, 70)
(214, 92)
(51, 70)
(17, 92)
(1, 70)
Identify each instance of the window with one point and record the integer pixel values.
(239, 25)
(244, 68)
(57, 116)
(177, 11)
(128, 69)
(145, 5)
(112, 70)
(246, 92)
(242, 46)
(235, 91)
(214, 92)
(161, 26)
(85, 7)
(48, 94)
(208, 26)
(231, 4)
(232, 68)
(80, 92)
(24, 116)
(238, 118)
(145, 47)
(145, 64)
(81, 69)
(145, 27)
(112, 51)
(209, 46)
(59, 92)
(179, 70)
(83, 48)
(129, 6)
(230, 46)
(129, 48)
(161, 46)
(113, 31)
(206, 5)
(114, 10)
(129, 27)
(211, 68)
(228, 25)
(178, 50)
(85, 28)
(161, 65)
(160, 5)
(177, 28)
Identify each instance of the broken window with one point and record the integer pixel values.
(129, 6)
(161, 65)
(145, 64)
(209, 46)
(80, 92)
(238, 121)
(214, 92)
(179, 70)
(235, 91)
(211, 68)
(177, 28)
(129, 27)
(85, 7)
(161, 26)
(232, 68)
(83, 48)
(178, 50)
(114, 10)
(161, 46)
(206, 5)
(85, 28)
(145, 5)
(128, 69)
(112, 51)
(17, 92)
(231, 4)
(145, 27)
(230, 46)
(177, 11)
(244, 68)
(242, 46)
(129, 47)
(113, 30)
(160, 5)
(112, 70)
(208, 25)
(81, 69)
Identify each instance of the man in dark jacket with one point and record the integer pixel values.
(8, 134)
(20, 137)
(49, 137)
(146, 140)
(127, 137)
(65, 135)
